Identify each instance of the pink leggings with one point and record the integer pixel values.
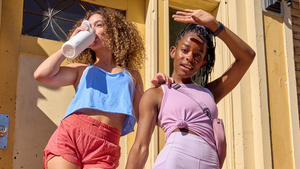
(184, 151)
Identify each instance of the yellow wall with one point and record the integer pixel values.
(278, 92)
(10, 34)
(162, 51)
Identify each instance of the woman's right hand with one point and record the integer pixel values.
(78, 29)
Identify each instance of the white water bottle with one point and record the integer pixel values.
(73, 47)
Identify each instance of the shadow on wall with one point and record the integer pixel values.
(39, 109)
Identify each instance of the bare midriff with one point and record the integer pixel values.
(113, 119)
(184, 130)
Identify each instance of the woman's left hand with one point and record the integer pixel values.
(198, 17)
(161, 78)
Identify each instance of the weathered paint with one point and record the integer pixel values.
(278, 92)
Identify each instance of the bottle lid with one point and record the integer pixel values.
(87, 23)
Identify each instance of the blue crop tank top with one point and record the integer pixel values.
(106, 92)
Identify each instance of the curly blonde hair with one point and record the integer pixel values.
(121, 37)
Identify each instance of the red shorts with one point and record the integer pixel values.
(86, 142)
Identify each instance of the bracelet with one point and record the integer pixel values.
(219, 30)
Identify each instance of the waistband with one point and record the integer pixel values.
(94, 127)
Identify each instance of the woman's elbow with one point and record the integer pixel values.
(141, 150)
(252, 54)
(38, 75)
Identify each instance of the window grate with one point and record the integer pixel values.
(273, 5)
(53, 19)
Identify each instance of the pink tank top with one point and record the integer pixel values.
(180, 111)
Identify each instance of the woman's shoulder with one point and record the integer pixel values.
(134, 73)
(136, 76)
(158, 89)
(154, 93)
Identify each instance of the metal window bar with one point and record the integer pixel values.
(273, 5)
(53, 19)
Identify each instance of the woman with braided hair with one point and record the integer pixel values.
(190, 143)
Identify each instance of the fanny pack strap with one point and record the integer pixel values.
(217, 124)
(198, 101)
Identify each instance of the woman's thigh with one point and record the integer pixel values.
(59, 162)
(186, 151)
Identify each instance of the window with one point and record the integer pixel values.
(53, 19)
(273, 5)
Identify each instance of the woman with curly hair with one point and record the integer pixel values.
(108, 91)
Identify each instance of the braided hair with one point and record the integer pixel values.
(201, 77)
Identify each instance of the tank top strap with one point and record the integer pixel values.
(165, 89)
